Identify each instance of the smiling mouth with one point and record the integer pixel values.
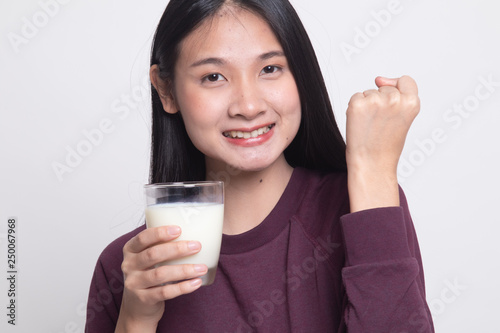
(248, 135)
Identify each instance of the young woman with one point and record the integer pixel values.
(317, 234)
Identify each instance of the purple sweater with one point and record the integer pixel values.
(310, 266)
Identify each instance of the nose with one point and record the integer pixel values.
(248, 100)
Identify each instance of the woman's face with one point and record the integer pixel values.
(235, 91)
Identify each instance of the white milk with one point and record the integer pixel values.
(198, 221)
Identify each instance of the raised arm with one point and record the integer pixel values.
(383, 275)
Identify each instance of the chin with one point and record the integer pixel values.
(249, 165)
(249, 168)
(234, 164)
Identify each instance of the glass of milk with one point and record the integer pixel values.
(198, 209)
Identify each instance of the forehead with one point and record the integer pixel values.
(231, 32)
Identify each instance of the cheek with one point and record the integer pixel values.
(198, 109)
(201, 114)
(288, 98)
(294, 108)
(293, 94)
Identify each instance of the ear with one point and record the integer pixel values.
(164, 90)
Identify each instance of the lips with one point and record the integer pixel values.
(237, 134)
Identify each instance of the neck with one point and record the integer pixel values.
(250, 195)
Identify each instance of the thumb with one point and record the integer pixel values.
(381, 81)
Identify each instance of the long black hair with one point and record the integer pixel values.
(318, 143)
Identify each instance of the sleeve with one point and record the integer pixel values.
(105, 294)
(383, 275)
(106, 287)
(104, 300)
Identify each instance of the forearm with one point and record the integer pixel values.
(372, 189)
(382, 276)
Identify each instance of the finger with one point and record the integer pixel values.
(390, 95)
(164, 252)
(170, 291)
(367, 93)
(389, 91)
(162, 293)
(407, 86)
(168, 274)
(356, 97)
(381, 81)
(151, 236)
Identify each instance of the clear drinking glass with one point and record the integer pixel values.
(198, 209)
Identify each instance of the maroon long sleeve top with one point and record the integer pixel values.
(311, 266)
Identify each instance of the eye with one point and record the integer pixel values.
(214, 77)
(270, 69)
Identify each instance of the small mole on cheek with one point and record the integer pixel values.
(260, 181)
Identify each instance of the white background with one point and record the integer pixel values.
(85, 66)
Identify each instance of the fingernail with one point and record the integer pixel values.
(194, 245)
(200, 268)
(174, 230)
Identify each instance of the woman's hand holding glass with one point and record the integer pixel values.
(147, 286)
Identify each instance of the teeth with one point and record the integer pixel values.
(248, 135)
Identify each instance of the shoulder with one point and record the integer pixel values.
(323, 188)
(324, 200)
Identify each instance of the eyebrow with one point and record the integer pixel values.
(271, 54)
(207, 61)
(220, 62)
